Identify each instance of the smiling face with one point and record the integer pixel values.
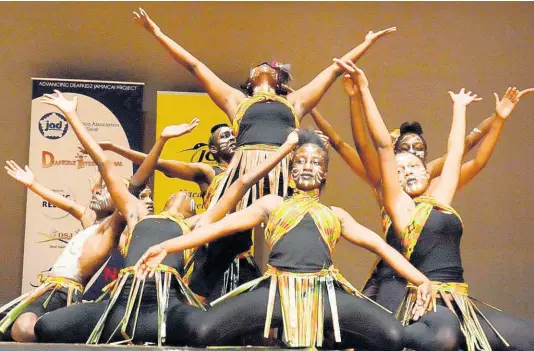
(223, 143)
(412, 143)
(412, 174)
(309, 167)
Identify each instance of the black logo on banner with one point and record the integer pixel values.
(53, 125)
(200, 153)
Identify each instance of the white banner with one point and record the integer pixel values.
(58, 165)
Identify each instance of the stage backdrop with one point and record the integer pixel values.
(178, 108)
(110, 111)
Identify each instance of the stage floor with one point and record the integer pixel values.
(15, 346)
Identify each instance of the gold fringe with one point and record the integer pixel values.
(19, 305)
(302, 301)
(456, 297)
(163, 276)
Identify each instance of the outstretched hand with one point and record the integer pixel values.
(175, 131)
(105, 145)
(355, 78)
(424, 296)
(61, 102)
(24, 176)
(373, 36)
(463, 98)
(324, 139)
(141, 17)
(510, 99)
(150, 260)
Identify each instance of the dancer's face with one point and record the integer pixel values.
(181, 203)
(412, 143)
(146, 197)
(412, 174)
(309, 167)
(264, 73)
(101, 200)
(224, 143)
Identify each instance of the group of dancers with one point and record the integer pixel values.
(190, 279)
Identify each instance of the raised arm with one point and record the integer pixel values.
(127, 204)
(396, 202)
(242, 220)
(366, 150)
(503, 109)
(238, 189)
(435, 167)
(149, 164)
(26, 177)
(223, 95)
(446, 187)
(197, 172)
(307, 97)
(362, 236)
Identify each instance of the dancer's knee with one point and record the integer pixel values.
(393, 337)
(447, 338)
(205, 334)
(23, 328)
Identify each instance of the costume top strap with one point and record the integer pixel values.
(260, 96)
(440, 206)
(291, 212)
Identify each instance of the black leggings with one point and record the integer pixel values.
(440, 330)
(75, 324)
(362, 323)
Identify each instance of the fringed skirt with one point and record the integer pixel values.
(302, 298)
(17, 306)
(245, 159)
(455, 296)
(163, 277)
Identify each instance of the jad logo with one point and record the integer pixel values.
(201, 153)
(53, 125)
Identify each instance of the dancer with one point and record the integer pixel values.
(427, 231)
(241, 269)
(86, 252)
(138, 307)
(301, 233)
(261, 120)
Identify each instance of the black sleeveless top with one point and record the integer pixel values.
(152, 231)
(302, 249)
(437, 252)
(267, 122)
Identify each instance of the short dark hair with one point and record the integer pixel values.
(211, 141)
(308, 136)
(410, 128)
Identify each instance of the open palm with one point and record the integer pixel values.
(180, 129)
(25, 176)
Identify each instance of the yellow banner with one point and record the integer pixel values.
(177, 108)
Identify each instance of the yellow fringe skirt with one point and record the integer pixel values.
(17, 306)
(245, 159)
(302, 297)
(163, 276)
(456, 297)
